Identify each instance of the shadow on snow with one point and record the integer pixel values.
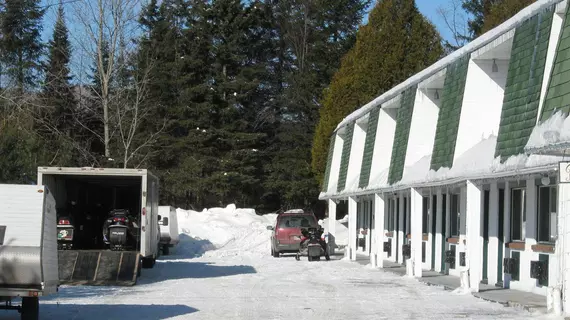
(106, 311)
(175, 270)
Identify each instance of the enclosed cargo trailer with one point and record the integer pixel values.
(88, 195)
(28, 247)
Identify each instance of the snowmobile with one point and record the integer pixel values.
(118, 230)
(65, 232)
(313, 245)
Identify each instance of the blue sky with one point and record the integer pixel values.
(427, 7)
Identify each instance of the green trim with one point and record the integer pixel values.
(558, 93)
(524, 84)
(329, 163)
(369, 148)
(402, 134)
(449, 114)
(345, 157)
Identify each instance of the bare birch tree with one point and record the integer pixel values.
(105, 23)
(455, 20)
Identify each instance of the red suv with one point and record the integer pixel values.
(286, 235)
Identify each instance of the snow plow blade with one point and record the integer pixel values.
(98, 268)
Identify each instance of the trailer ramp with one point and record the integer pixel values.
(98, 267)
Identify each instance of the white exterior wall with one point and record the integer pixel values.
(422, 129)
(335, 164)
(383, 143)
(482, 103)
(356, 154)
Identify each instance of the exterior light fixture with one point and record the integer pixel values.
(545, 180)
(495, 67)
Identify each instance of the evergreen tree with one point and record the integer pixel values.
(20, 24)
(487, 14)
(397, 42)
(57, 89)
(311, 36)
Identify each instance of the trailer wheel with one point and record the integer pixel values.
(30, 308)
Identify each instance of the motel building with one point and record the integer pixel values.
(464, 168)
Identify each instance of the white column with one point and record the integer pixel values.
(473, 253)
(401, 228)
(493, 247)
(332, 226)
(438, 231)
(352, 207)
(416, 209)
(562, 281)
(506, 228)
(431, 236)
(531, 216)
(377, 256)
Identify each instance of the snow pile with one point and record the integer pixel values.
(341, 234)
(225, 231)
(555, 130)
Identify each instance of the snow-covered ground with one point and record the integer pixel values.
(222, 269)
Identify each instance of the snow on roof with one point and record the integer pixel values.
(551, 134)
(478, 43)
(478, 162)
(295, 211)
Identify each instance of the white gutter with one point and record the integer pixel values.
(476, 44)
(440, 183)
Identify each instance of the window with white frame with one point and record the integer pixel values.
(518, 214)
(547, 214)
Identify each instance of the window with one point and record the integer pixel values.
(425, 214)
(301, 221)
(455, 215)
(518, 214)
(547, 217)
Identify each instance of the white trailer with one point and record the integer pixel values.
(88, 195)
(168, 228)
(28, 247)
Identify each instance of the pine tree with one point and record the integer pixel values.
(20, 24)
(396, 43)
(311, 36)
(57, 89)
(487, 14)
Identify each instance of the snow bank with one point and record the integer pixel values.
(225, 231)
(555, 130)
(341, 238)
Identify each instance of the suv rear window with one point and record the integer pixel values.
(304, 221)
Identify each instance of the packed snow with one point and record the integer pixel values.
(341, 230)
(237, 231)
(550, 133)
(222, 269)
